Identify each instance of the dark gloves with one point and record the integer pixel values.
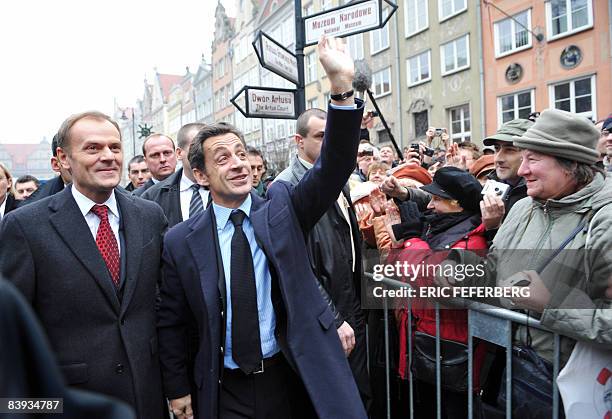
(412, 222)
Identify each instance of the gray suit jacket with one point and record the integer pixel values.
(104, 341)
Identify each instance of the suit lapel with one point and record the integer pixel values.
(71, 226)
(132, 224)
(201, 241)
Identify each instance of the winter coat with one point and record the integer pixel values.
(577, 277)
(468, 234)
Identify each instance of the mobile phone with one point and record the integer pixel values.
(373, 114)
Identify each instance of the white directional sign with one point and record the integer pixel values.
(346, 20)
(266, 102)
(276, 57)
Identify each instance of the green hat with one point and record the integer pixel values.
(509, 131)
(562, 134)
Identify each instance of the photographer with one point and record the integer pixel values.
(507, 161)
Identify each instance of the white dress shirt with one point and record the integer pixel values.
(93, 221)
(186, 193)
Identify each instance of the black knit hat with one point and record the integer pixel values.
(453, 183)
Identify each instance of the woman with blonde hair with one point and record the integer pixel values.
(7, 197)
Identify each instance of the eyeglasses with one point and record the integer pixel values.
(605, 132)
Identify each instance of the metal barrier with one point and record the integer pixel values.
(485, 322)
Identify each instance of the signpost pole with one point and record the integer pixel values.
(300, 102)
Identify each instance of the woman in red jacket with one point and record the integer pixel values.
(453, 222)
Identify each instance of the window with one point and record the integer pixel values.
(381, 80)
(326, 99)
(460, 124)
(418, 68)
(308, 10)
(511, 34)
(421, 123)
(449, 8)
(416, 18)
(568, 16)
(379, 39)
(311, 67)
(355, 46)
(575, 96)
(326, 4)
(313, 103)
(516, 105)
(455, 55)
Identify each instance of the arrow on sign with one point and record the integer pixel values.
(350, 19)
(265, 102)
(275, 57)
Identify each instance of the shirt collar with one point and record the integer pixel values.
(222, 214)
(85, 204)
(185, 183)
(305, 163)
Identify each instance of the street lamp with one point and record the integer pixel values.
(125, 118)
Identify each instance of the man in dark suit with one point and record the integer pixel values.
(160, 154)
(88, 261)
(179, 194)
(240, 270)
(334, 249)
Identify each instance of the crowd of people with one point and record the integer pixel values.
(209, 290)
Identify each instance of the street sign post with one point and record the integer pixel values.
(350, 19)
(275, 57)
(266, 102)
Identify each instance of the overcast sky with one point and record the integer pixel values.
(59, 57)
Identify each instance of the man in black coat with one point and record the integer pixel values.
(88, 261)
(177, 194)
(334, 246)
(29, 368)
(160, 154)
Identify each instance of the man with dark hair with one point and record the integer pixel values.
(258, 168)
(334, 250)
(507, 159)
(88, 261)
(239, 270)
(179, 195)
(138, 172)
(25, 186)
(160, 155)
(55, 185)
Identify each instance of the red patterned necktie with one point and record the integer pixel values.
(107, 243)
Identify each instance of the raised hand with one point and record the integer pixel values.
(337, 63)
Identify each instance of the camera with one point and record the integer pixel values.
(438, 132)
(429, 151)
(493, 187)
(415, 147)
(373, 114)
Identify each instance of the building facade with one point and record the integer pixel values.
(202, 86)
(553, 54)
(27, 159)
(222, 67)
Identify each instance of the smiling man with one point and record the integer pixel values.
(88, 260)
(507, 159)
(239, 271)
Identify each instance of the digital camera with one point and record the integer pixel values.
(493, 187)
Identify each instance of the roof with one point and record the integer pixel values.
(166, 81)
